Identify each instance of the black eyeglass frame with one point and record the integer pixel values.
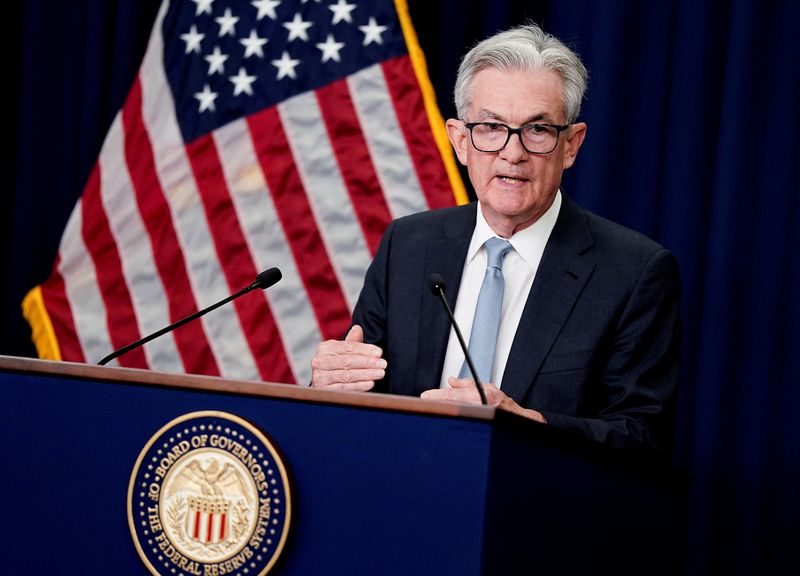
(518, 131)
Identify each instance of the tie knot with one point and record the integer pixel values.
(496, 250)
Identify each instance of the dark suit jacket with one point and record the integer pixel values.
(597, 348)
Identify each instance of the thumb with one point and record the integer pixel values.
(460, 382)
(356, 334)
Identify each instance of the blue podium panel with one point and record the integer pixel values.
(379, 484)
(375, 491)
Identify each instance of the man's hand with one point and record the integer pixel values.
(463, 390)
(347, 365)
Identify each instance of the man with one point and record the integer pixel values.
(588, 336)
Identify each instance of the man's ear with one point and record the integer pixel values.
(574, 138)
(459, 138)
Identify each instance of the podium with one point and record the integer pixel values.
(381, 484)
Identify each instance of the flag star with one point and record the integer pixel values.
(341, 12)
(242, 83)
(286, 66)
(192, 39)
(330, 49)
(372, 32)
(216, 61)
(227, 23)
(297, 28)
(266, 8)
(206, 99)
(253, 45)
(203, 6)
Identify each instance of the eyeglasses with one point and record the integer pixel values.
(535, 138)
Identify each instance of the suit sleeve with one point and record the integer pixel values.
(371, 310)
(641, 372)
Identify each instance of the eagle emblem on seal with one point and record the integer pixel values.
(212, 490)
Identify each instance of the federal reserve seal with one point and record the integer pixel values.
(209, 495)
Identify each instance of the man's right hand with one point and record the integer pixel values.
(347, 365)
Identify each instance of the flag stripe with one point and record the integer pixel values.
(190, 338)
(387, 146)
(82, 292)
(293, 315)
(297, 219)
(327, 194)
(102, 248)
(54, 298)
(354, 162)
(407, 101)
(253, 312)
(136, 252)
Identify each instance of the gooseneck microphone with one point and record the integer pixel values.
(264, 280)
(437, 287)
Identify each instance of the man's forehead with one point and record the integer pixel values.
(530, 95)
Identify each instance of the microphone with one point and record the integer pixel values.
(264, 280)
(437, 287)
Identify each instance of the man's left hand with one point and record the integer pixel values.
(463, 390)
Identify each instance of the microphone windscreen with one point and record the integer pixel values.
(268, 277)
(436, 283)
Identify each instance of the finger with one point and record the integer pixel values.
(356, 334)
(347, 362)
(355, 337)
(461, 382)
(324, 378)
(464, 395)
(344, 347)
(352, 386)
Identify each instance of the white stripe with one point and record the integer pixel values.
(136, 252)
(268, 244)
(386, 142)
(208, 283)
(327, 194)
(80, 284)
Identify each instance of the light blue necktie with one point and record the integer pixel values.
(486, 323)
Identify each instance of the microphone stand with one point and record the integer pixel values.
(437, 286)
(264, 280)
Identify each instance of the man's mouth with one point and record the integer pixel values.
(510, 179)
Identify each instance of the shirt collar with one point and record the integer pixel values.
(528, 243)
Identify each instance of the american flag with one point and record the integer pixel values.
(256, 134)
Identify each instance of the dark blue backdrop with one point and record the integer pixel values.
(692, 113)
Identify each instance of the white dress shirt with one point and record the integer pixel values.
(519, 270)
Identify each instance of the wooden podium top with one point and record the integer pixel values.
(245, 387)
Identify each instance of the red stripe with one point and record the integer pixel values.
(355, 163)
(222, 528)
(190, 338)
(197, 525)
(410, 109)
(54, 295)
(256, 319)
(209, 526)
(101, 245)
(297, 219)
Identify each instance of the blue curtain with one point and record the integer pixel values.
(693, 124)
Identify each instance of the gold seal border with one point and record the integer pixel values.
(253, 430)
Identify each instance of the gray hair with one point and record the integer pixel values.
(525, 47)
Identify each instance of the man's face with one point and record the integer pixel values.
(514, 186)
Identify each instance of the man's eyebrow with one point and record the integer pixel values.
(541, 117)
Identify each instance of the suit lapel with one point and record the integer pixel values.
(560, 279)
(445, 256)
